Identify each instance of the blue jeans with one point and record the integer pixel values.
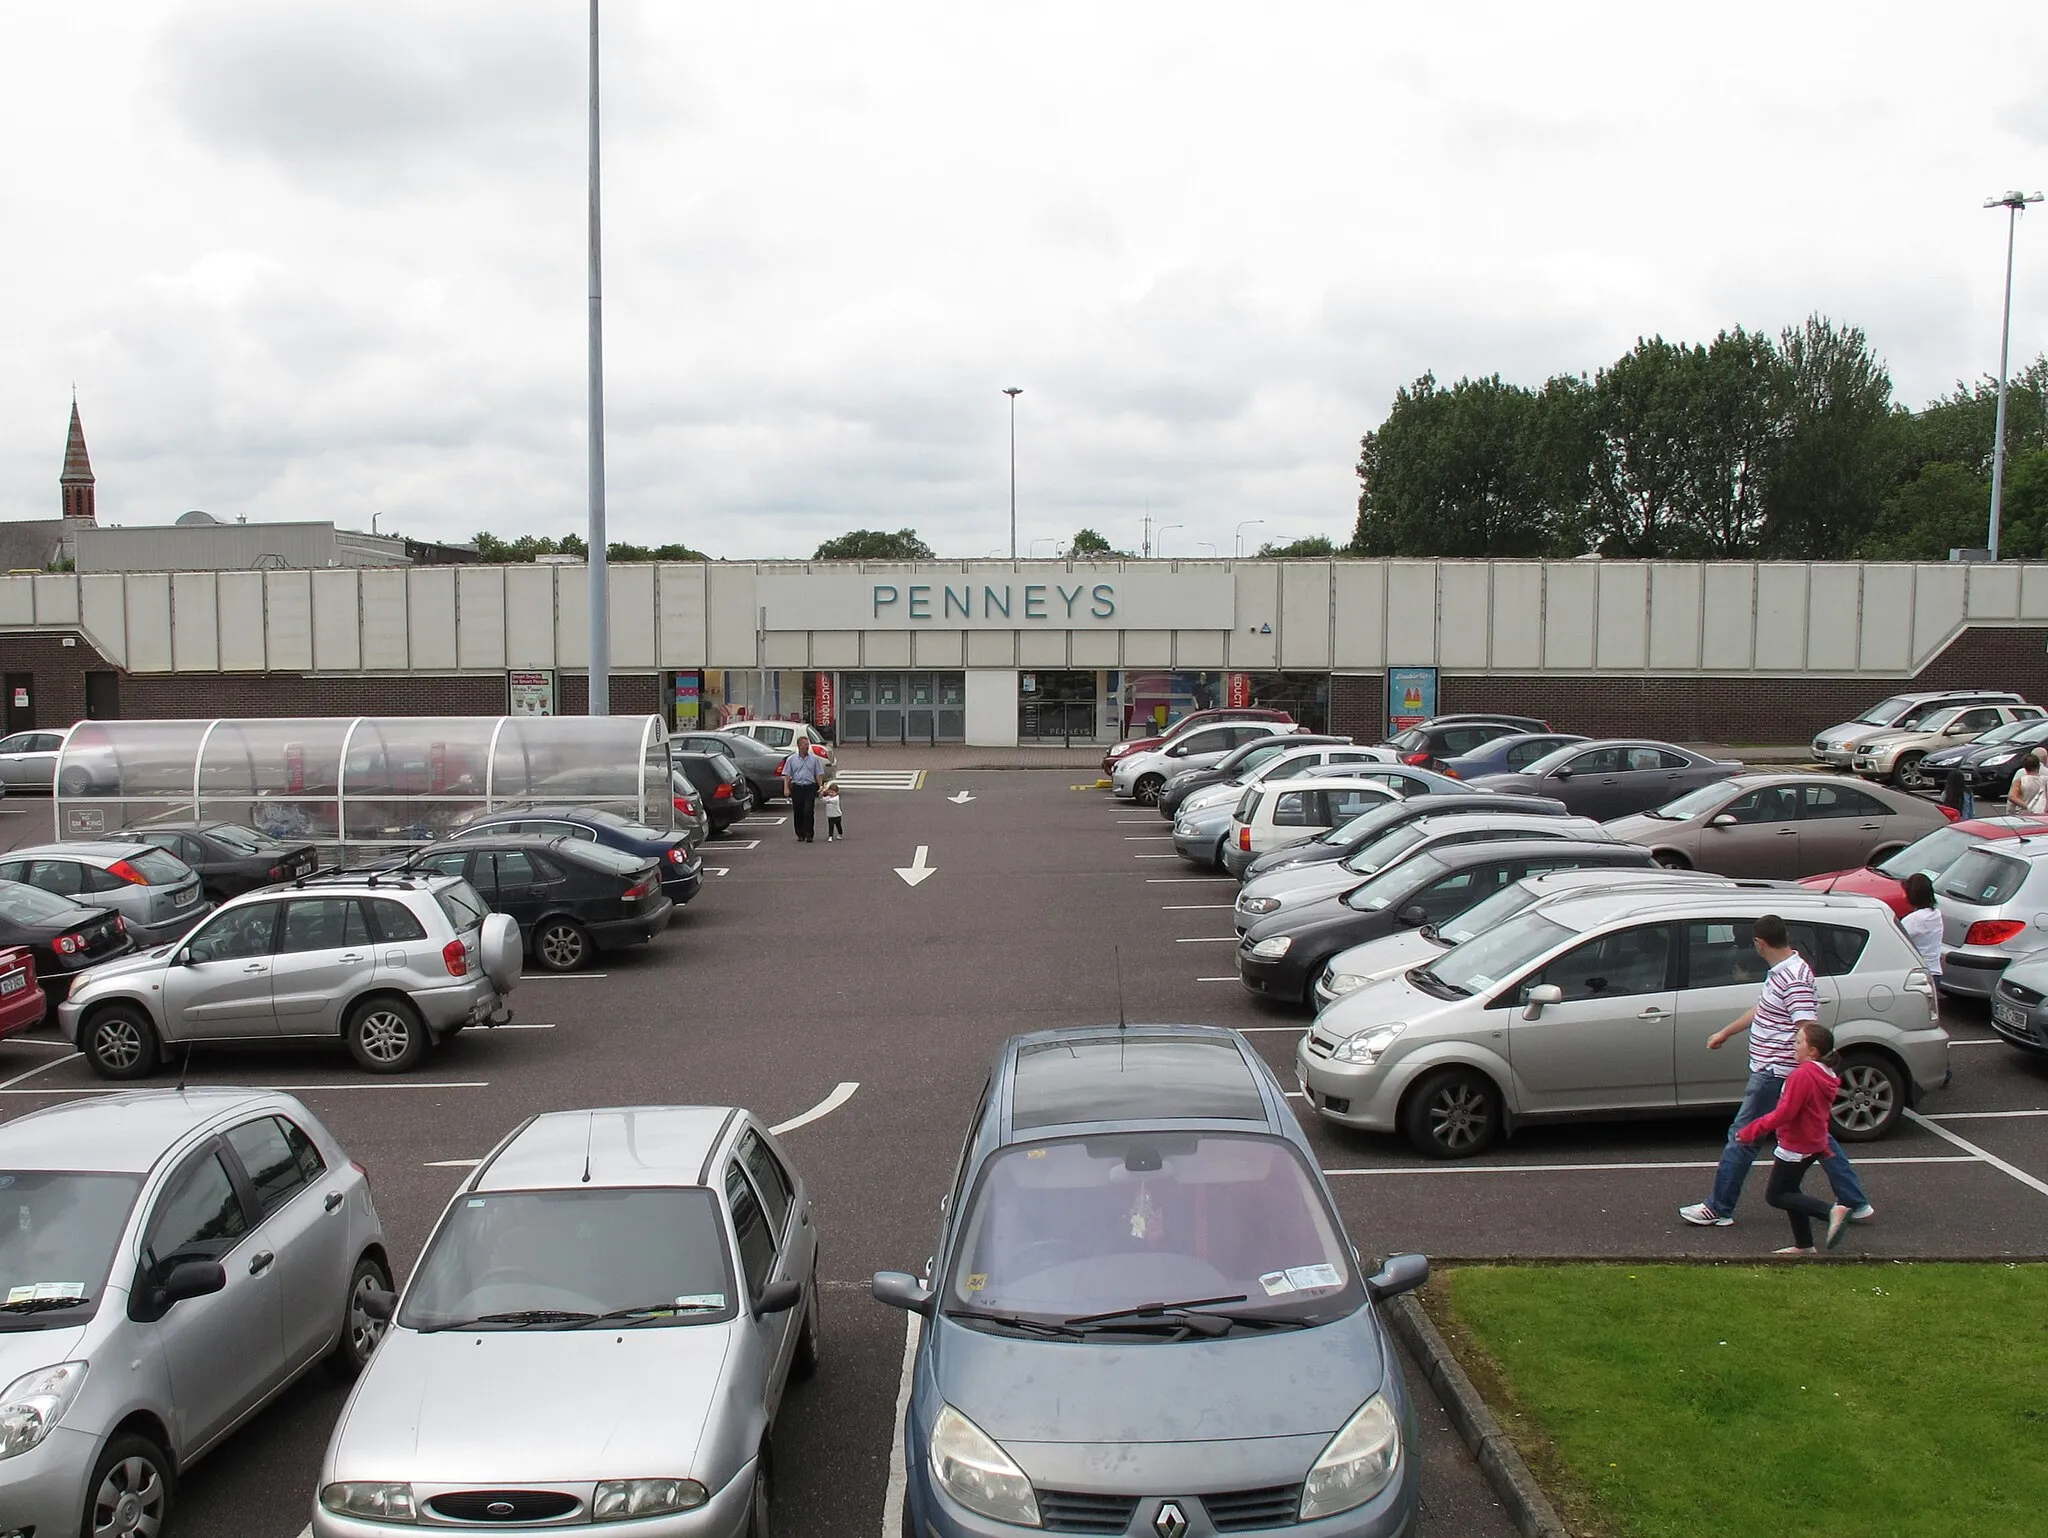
(1761, 1097)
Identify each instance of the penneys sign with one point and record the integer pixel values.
(1024, 598)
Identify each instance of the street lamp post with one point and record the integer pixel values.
(1203, 544)
(1160, 544)
(1237, 549)
(600, 700)
(1013, 391)
(1043, 539)
(2012, 203)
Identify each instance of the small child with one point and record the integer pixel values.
(1801, 1120)
(834, 827)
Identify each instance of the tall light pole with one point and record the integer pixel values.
(1043, 539)
(1237, 549)
(1013, 391)
(1160, 543)
(2012, 203)
(600, 702)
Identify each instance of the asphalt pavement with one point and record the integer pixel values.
(803, 969)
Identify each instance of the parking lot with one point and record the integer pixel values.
(860, 1010)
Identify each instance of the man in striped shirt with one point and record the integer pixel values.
(1788, 1000)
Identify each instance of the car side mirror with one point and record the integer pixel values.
(1397, 1274)
(1414, 915)
(1540, 995)
(779, 1297)
(378, 1304)
(1722, 820)
(1561, 774)
(899, 1289)
(193, 1279)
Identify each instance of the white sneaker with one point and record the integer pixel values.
(1862, 1214)
(1700, 1215)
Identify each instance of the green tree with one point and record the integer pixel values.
(620, 551)
(1089, 544)
(1833, 463)
(874, 545)
(1643, 412)
(1314, 547)
(528, 546)
(1941, 508)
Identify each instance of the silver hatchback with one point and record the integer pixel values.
(1994, 910)
(170, 1263)
(599, 1330)
(157, 894)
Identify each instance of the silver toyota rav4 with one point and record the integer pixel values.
(385, 964)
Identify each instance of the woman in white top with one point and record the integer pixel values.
(2029, 791)
(1923, 923)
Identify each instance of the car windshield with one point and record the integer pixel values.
(1388, 847)
(1497, 954)
(1885, 712)
(242, 840)
(1366, 826)
(1931, 855)
(1984, 877)
(25, 904)
(1082, 1226)
(1389, 887)
(1694, 802)
(540, 1259)
(58, 1230)
(2009, 731)
(158, 866)
(1480, 917)
(1411, 741)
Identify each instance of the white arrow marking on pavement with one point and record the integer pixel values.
(916, 870)
(718, 870)
(841, 1093)
(962, 799)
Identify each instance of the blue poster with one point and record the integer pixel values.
(1411, 697)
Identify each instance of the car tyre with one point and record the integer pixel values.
(1872, 1098)
(1670, 859)
(129, 1494)
(1146, 791)
(1907, 773)
(386, 1035)
(75, 782)
(359, 1332)
(761, 1503)
(810, 1348)
(562, 945)
(1222, 844)
(1454, 1113)
(121, 1043)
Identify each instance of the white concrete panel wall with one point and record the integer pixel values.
(103, 614)
(1780, 618)
(1675, 616)
(1043, 648)
(1886, 624)
(1203, 649)
(1305, 615)
(149, 623)
(991, 648)
(835, 648)
(56, 599)
(1142, 648)
(991, 708)
(387, 640)
(1834, 618)
(938, 648)
(337, 622)
(732, 619)
(1464, 614)
(530, 617)
(1571, 601)
(480, 616)
(1994, 592)
(785, 649)
(1095, 649)
(2034, 591)
(632, 615)
(17, 600)
(1623, 638)
(1360, 622)
(1937, 608)
(240, 597)
(886, 649)
(430, 603)
(679, 602)
(572, 615)
(288, 617)
(195, 622)
(1252, 645)
(1516, 637)
(1728, 623)
(1411, 613)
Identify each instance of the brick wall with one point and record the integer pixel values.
(166, 696)
(58, 692)
(1358, 705)
(633, 694)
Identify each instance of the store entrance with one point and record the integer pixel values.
(1058, 706)
(927, 708)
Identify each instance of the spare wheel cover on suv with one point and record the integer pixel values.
(501, 951)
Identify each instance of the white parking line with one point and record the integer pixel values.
(718, 870)
(1977, 1041)
(1569, 1169)
(1983, 1115)
(563, 977)
(452, 1164)
(524, 1025)
(1209, 940)
(39, 1041)
(1195, 907)
(1181, 880)
(745, 843)
(1984, 1154)
(760, 822)
(822, 1109)
(1269, 1030)
(899, 1473)
(1148, 838)
(292, 1089)
(1216, 979)
(54, 1062)
(1155, 857)
(1137, 822)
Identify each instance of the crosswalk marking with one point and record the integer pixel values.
(880, 779)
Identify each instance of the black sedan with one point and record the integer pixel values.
(761, 764)
(230, 858)
(571, 899)
(682, 872)
(66, 937)
(720, 786)
(1614, 777)
(1988, 762)
(1281, 957)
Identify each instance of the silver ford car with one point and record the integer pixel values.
(599, 1332)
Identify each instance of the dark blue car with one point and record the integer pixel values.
(1144, 1315)
(682, 872)
(1507, 755)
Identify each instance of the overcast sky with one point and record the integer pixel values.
(326, 258)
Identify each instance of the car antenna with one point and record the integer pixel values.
(1117, 952)
(589, 1128)
(184, 1066)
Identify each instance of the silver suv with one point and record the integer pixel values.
(1602, 1004)
(170, 1263)
(1837, 745)
(386, 964)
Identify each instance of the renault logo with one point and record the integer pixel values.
(1171, 1522)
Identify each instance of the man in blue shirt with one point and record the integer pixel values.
(803, 769)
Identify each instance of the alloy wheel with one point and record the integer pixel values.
(364, 1330)
(1865, 1101)
(1912, 775)
(561, 947)
(117, 1043)
(386, 1035)
(129, 1502)
(1459, 1116)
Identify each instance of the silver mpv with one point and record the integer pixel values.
(1994, 910)
(599, 1331)
(170, 1262)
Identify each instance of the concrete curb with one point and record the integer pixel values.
(1527, 1506)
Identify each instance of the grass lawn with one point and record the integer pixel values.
(1803, 1400)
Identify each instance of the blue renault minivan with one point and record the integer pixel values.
(1144, 1316)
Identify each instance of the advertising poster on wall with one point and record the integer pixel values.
(530, 694)
(826, 709)
(689, 701)
(1411, 697)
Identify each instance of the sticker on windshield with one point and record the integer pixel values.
(474, 1201)
(1299, 1279)
(977, 1280)
(45, 1292)
(701, 1300)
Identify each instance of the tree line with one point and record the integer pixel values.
(1746, 447)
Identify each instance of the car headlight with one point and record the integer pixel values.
(645, 1498)
(1999, 761)
(389, 1503)
(1337, 984)
(1365, 1048)
(1359, 1462)
(1183, 830)
(34, 1403)
(971, 1468)
(1258, 904)
(1273, 949)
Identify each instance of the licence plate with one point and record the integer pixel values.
(2005, 1014)
(14, 982)
(186, 898)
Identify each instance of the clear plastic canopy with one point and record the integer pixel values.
(357, 780)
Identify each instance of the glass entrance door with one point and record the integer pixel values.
(888, 707)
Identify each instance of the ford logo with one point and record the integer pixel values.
(501, 1508)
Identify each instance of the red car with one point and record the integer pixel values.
(21, 1001)
(1187, 722)
(1930, 854)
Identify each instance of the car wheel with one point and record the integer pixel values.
(1452, 1114)
(1222, 844)
(1907, 773)
(562, 945)
(75, 782)
(386, 1036)
(1670, 859)
(129, 1494)
(121, 1043)
(359, 1332)
(810, 1349)
(1146, 791)
(760, 1504)
(1871, 1100)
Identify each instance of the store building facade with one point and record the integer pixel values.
(994, 653)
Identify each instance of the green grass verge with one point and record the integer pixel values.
(1808, 1400)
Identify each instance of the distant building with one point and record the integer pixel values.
(200, 542)
(40, 543)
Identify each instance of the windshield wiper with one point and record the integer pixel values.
(647, 1311)
(1154, 1310)
(518, 1318)
(1429, 982)
(1018, 1322)
(38, 1305)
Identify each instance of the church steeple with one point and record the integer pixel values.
(76, 483)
